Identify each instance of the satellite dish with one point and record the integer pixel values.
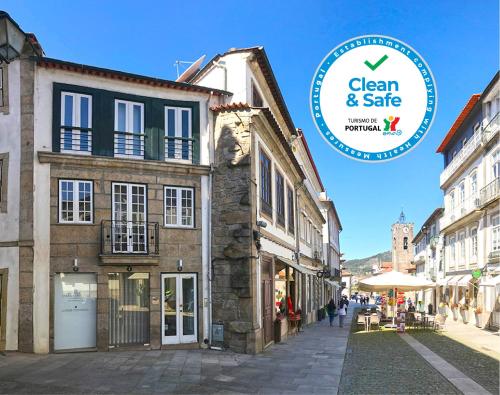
(191, 70)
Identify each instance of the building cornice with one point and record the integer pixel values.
(133, 165)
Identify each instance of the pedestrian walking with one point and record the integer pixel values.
(332, 309)
(342, 312)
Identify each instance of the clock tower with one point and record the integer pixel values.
(402, 248)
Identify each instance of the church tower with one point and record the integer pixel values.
(402, 248)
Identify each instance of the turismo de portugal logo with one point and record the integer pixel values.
(373, 98)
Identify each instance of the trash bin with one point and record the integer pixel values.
(277, 331)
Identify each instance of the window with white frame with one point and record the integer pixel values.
(473, 244)
(452, 200)
(76, 123)
(129, 129)
(303, 224)
(461, 244)
(496, 164)
(452, 250)
(461, 193)
(473, 183)
(75, 201)
(4, 88)
(179, 207)
(178, 134)
(495, 233)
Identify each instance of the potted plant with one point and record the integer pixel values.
(477, 313)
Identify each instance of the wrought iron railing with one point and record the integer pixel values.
(74, 139)
(129, 237)
(490, 191)
(129, 144)
(492, 128)
(179, 148)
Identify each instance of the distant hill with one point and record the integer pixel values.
(364, 265)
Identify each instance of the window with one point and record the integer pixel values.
(256, 97)
(452, 200)
(309, 232)
(496, 164)
(179, 207)
(473, 243)
(4, 178)
(75, 201)
(461, 193)
(473, 183)
(178, 133)
(452, 249)
(280, 199)
(129, 129)
(303, 225)
(76, 123)
(405, 243)
(291, 210)
(461, 243)
(4, 91)
(464, 141)
(266, 205)
(495, 232)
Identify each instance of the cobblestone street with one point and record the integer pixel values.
(378, 362)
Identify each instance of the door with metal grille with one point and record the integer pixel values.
(128, 309)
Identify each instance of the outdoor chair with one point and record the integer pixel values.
(361, 320)
(439, 322)
(375, 320)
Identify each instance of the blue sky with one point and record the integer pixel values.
(458, 39)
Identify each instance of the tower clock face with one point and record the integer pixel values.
(405, 229)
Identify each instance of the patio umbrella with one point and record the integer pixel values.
(394, 280)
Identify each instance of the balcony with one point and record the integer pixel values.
(453, 215)
(129, 145)
(490, 192)
(129, 243)
(178, 149)
(465, 153)
(494, 257)
(491, 130)
(481, 138)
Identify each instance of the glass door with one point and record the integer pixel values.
(179, 309)
(129, 218)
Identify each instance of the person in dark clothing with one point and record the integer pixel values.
(332, 309)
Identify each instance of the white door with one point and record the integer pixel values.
(75, 311)
(129, 218)
(179, 309)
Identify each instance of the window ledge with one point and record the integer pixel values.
(129, 259)
(135, 165)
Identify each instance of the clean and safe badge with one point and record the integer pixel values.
(373, 98)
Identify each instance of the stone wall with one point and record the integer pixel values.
(233, 217)
(82, 241)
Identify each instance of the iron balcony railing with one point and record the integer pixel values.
(74, 139)
(453, 214)
(481, 137)
(129, 145)
(490, 192)
(491, 129)
(179, 148)
(129, 237)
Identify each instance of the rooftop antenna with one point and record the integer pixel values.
(190, 71)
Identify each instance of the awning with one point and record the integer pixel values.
(492, 282)
(442, 282)
(455, 279)
(294, 265)
(464, 282)
(332, 283)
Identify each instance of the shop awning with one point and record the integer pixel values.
(455, 279)
(464, 282)
(492, 282)
(294, 265)
(332, 283)
(442, 282)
